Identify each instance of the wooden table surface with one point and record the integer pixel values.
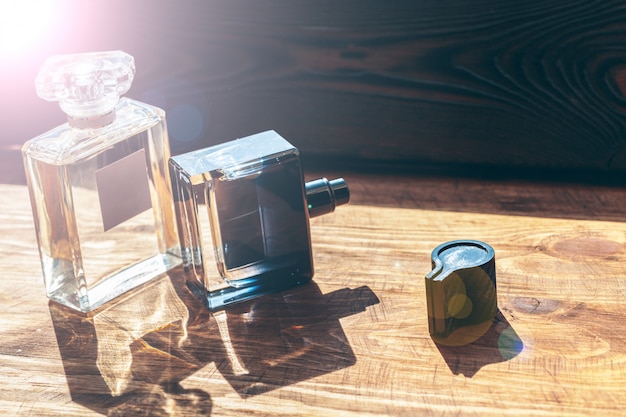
(355, 341)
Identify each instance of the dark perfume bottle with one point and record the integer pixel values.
(243, 211)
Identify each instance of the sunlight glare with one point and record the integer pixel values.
(24, 23)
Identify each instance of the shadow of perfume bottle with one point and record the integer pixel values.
(499, 343)
(132, 354)
(283, 338)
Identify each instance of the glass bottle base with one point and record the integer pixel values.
(220, 299)
(86, 300)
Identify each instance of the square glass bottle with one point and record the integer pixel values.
(99, 184)
(244, 217)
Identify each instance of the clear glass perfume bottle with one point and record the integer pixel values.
(99, 184)
(243, 211)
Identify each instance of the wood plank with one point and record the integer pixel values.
(507, 83)
(355, 341)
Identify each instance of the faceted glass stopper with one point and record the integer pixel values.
(88, 84)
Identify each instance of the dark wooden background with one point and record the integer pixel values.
(534, 88)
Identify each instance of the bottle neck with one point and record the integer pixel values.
(91, 122)
(323, 196)
(92, 114)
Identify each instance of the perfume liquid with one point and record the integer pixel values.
(101, 197)
(244, 218)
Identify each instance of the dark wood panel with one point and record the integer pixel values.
(536, 84)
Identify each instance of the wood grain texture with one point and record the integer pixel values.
(355, 341)
(417, 82)
(536, 84)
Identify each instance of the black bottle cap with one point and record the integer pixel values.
(323, 196)
(461, 294)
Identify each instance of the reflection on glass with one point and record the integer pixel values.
(243, 218)
(99, 184)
